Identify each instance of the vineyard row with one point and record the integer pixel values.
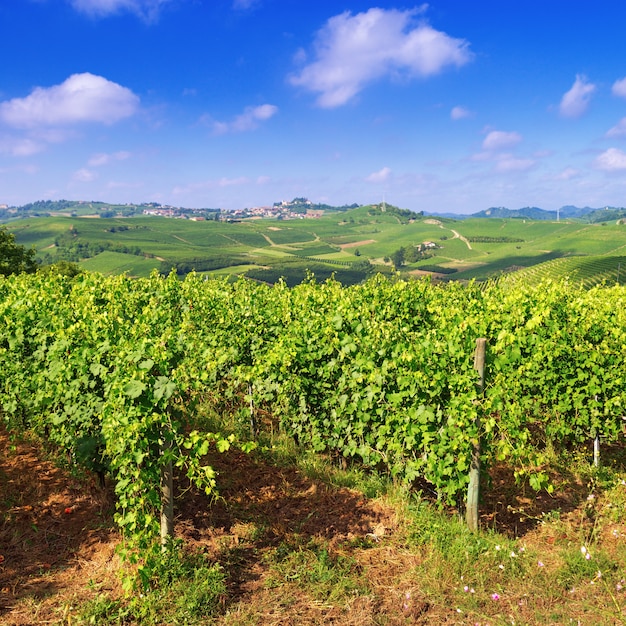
(109, 370)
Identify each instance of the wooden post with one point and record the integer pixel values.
(596, 451)
(167, 502)
(473, 490)
(252, 416)
(596, 437)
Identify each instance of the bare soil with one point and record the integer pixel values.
(356, 244)
(58, 540)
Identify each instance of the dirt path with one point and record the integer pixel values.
(455, 233)
(458, 235)
(268, 239)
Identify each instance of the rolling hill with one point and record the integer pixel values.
(350, 243)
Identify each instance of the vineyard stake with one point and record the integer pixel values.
(252, 417)
(473, 490)
(596, 441)
(596, 451)
(167, 501)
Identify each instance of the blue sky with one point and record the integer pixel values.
(447, 106)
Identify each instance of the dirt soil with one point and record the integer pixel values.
(356, 244)
(55, 536)
(57, 539)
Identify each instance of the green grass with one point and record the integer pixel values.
(315, 250)
(316, 571)
(286, 235)
(188, 590)
(118, 263)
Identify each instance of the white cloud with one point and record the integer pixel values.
(233, 182)
(619, 130)
(459, 113)
(100, 159)
(248, 120)
(619, 88)
(612, 160)
(496, 150)
(379, 177)
(509, 163)
(80, 98)
(20, 146)
(568, 173)
(212, 184)
(500, 140)
(355, 50)
(84, 176)
(576, 101)
(146, 9)
(123, 185)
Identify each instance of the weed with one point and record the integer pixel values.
(326, 577)
(185, 589)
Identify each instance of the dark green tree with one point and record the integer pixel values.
(63, 268)
(14, 259)
(363, 265)
(398, 258)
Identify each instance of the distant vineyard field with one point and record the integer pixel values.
(587, 271)
(476, 249)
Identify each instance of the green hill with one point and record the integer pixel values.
(387, 237)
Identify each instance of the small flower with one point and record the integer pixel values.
(619, 585)
(407, 598)
(615, 532)
(585, 553)
(590, 497)
(466, 588)
(500, 566)
(495, 596)
(588, 556)
(497, 547)
(513, 555)
(539, 563)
